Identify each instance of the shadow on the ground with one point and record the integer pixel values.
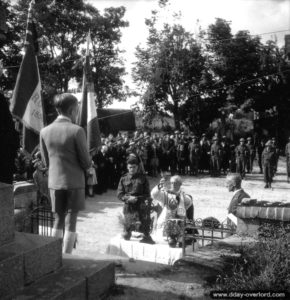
(122, 292)
(104, 201)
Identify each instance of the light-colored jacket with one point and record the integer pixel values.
(65, 153)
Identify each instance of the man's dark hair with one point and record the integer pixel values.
(64, 102)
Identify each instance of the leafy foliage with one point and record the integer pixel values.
(264, 265)
(62, 27)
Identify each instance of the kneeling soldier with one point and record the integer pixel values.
(134, 191)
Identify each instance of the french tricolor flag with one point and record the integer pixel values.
(27, 104)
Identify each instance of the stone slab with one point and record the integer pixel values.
(11, 273)
(32, 256)
(25, 194)
(6, 214)
(79, 278)
(234, 241)
(158, 253)
(248, 226)
(211, 257)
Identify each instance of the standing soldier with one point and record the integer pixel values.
(194, 156)
(260, 149)
(134, 191)
(287, 154)
(204, 153)
(226, 155)
(268, 160)
(215, 157)
(181, 154)
(241, 157)
(251, 155)
(172, 155)
(276, 151)
(165, 146)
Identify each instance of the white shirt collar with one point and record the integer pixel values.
(62, 117)
(236, 191)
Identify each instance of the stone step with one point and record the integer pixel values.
(26, 259)
(79, 278)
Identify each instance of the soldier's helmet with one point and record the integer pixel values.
(242, 139)
(268, 143)
(249, 138)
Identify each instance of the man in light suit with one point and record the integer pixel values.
(234, 182)
(65, 153)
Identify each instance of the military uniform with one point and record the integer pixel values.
(287, 154)
(136, 215)
(241, 158)
(226, 156)
(251, 153)
(204, 154)
(268, 160)
(215, 155)
(182, 154)
(194, 157)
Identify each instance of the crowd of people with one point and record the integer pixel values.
(178, 153)
(182, 154)
(62, 163)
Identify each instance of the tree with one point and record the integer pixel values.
(62, 28)
(169, 69)
(10, 49)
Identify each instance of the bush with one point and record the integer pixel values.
(264, 265)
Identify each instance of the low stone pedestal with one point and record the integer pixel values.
(158, 253)
(252, 217)
(32, 267)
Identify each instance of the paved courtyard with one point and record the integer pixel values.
(144, 280)
(100, 221)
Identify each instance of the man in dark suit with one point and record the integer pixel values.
(65, 153)
(233, 182)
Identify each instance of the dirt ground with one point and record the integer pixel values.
(99, 223)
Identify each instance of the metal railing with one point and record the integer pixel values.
(42, 217)
(206, 231)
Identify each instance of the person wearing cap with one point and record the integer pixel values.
(260, 148)
(134, 191)
(287, 154)
(241, 157)
(182, 155)
(194, 156)
(268, 160)
(275, 149)
(215, 157)
(226, 155)
(251, 154)
(204, 153)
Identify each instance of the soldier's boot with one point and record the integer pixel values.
(147, 239)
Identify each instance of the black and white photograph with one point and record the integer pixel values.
(144, 149)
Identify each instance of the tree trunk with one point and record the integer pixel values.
(176, 115)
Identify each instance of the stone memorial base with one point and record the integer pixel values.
(79, 278)
(32, 266)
